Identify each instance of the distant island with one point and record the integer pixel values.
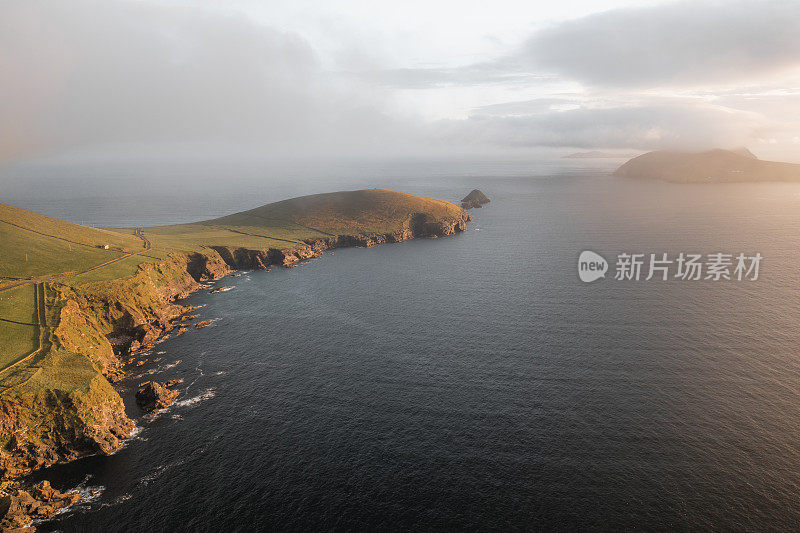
(595, 154)
(713, 166)
(77, 301)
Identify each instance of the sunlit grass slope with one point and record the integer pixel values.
(33, 245)
(287, 223)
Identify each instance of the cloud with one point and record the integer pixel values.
(89, 72)
(97, 73)
(500, 72)
(648, 126)
(677, 43)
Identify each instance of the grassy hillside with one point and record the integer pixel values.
(35, 248)
(289, 222)
(707, 167)
(34, 245)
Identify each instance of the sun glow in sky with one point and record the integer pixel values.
(410, 77)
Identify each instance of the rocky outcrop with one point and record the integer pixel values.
(153, 395)
(19, 507)
(474, 199)
(45, 425)
(443, 227)
(202, 267)
(220, 289)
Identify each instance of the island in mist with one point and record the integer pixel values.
(597, 154)
(712, 166)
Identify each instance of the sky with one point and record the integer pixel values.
(357, 77)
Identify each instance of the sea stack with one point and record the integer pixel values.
(474, 199)
(152, 395)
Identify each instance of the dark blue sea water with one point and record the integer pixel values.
(474, 382)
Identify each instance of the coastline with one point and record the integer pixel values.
(104, 324)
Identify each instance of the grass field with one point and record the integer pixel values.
(33, 245)
(18, 340)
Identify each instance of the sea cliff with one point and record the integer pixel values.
(93, 328)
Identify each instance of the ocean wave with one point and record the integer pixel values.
(194, 400)
(222, 289)
(118, 500)
(89, 493)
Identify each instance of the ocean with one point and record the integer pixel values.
(471, 382)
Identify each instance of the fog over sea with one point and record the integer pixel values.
(469, 382)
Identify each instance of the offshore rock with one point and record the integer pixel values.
(475, 198)
(153, 395)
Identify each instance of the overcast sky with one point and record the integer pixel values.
(362, 77)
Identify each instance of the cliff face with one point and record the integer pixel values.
(42, 426)
(52, 419)
(421, 226)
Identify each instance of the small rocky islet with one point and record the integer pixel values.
(474, 199)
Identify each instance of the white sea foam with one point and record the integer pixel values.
(194, 400)
(223, 289)
(118, 500)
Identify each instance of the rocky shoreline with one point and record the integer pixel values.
(106, 323)
(18, 506)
